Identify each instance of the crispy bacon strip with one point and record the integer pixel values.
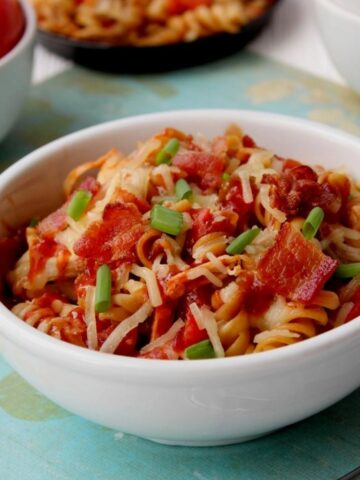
(294, 267)
(115, 237)
(202, 168)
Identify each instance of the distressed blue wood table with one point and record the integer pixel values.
(40, 441)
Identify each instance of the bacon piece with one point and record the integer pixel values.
(115, 237)
(53, 223)
(205, 222)
(128, 197)
(294, 267)
(56, 221)
(297, 191)
(163, 319)
(202, 168)
(90, 184)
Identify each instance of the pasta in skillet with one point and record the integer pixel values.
(192, 248)
(145, 22)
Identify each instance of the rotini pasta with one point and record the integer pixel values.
(145, 22)
(190, 248)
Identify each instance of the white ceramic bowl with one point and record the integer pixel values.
(15, 73)
(339, 22)
(205, 402)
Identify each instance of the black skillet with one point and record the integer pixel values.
(128, 59)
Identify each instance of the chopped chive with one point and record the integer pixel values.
(183, 189)
(103, 289)
(166, 220)
(78, 204)
(168, 152)
(33, 222)
(226, 176)
(200, 351)
(348, 270)
(313, 222)
(238, 245)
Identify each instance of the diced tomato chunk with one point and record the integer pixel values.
(202, 168)
(294, 267)
(10, 250)
(177, 7)
(115, 237)
(128, 344)
(355, 311)
(248, 142)
(39, 254)
(231, 196)
(205, 222)
(289, 163)
(192, 334)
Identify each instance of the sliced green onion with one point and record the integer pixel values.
(103, 289)
(238, 245)
(168, 151)
(200, 350)
(33, 222)
(226, 176)
(183, 189)
(78, 204)
(348, 270)
(313, 222)
(166, 220)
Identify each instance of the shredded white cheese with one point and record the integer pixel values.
(343, 312)
(90, 318)
(217, 263)
(167, 337)
(120, 332)
(205, 319)
(165, 172)
(228, 292)
(261, 337)
(151, 283)
(265, 201)
(204, 272)
(246, 187)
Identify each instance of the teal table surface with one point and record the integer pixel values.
(39, 440)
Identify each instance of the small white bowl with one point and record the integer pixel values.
(339, 22)
(204, 402)
(15, 73)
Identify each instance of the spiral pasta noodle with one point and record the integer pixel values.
(190, 248)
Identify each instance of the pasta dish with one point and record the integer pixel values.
(145, 22)
(190, 248)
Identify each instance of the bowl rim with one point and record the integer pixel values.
(27, 36)
(339, 10)
(80, 359)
